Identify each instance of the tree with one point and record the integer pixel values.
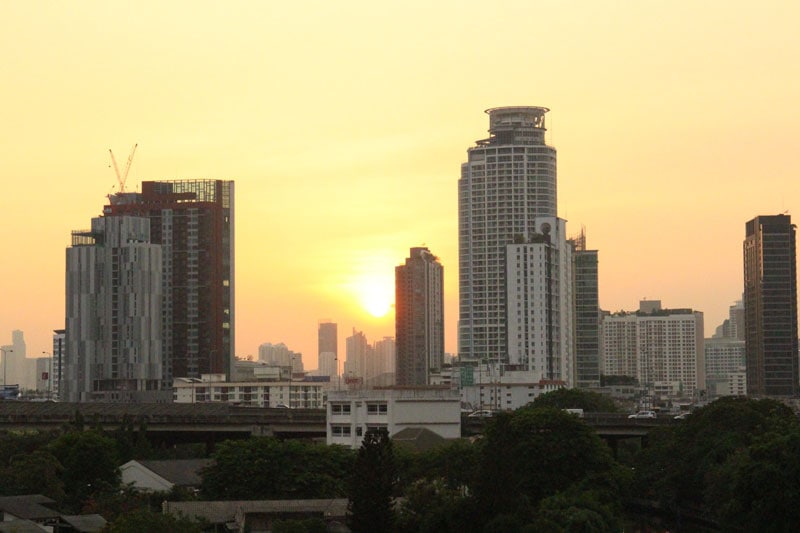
(589, 401)
(90, 463)
(38, 472)
(371, 484)
(267, 468)
(757, 482)
(676, 467)
(533, 453)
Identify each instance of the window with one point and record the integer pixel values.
(340, 430)
(377, 408)
(340, 408)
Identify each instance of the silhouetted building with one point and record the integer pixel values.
(193, 221)
(327, 349)
(587, 313)
(507, 184)
(419, 318)
(59, 361)
(770, 304)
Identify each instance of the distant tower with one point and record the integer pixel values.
(770, 306)
(59, 362)
(587, 313)
(327, 348)
(113, 313)
(507, 185)
(358, 350)
(419, 318)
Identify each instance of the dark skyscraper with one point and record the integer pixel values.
(193, 221)
(770, 303)
(587, 314)
(419, 318)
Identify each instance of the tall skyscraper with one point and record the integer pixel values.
(587, 313)
(539, 302)
(770, 306)
(113, 313)
(193, 221)
(327, 348)
(419, 318)
(507, 185)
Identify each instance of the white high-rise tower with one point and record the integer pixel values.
(507, 188)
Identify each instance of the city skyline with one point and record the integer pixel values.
(333, 120)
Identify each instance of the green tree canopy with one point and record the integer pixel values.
(681, 461)
(589, 401)
(267, 468)
(90, 463)
(533, 453)
(371, 485)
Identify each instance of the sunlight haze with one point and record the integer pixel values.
(344, 126)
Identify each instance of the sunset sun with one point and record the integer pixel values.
(376, 294)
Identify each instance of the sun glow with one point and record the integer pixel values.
(376, 294)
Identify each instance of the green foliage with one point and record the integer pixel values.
(142, 520)
(90, 463)
(371, 485)
(757, 482)
(38, 472)
(586, 511)
(589, 401)
(455, 463)
(430, 506)
(533, 453)
(681, 461)
(266, 468)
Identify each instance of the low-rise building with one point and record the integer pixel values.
(213, 388)
(351, 413)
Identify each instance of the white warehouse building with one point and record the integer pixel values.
(351, 413)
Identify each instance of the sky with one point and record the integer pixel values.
(344, 125)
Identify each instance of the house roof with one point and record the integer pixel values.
(29, 506)
(87, 523)
(20, 526)
(421, 439)
(182, 472)
(218, 512)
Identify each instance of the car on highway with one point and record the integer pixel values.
(682, 416)
(483, 413)
(643, 414)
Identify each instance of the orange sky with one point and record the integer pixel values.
(344, 125)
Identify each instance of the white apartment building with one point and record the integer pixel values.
(662, 348)
(723, 357)
(540, 304)
(351, 413)
(214, 388)
(507, 185)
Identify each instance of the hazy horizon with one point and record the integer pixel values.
(344, 127)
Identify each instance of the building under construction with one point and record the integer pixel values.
(193, 222)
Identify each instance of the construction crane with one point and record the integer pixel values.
(121, 178)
